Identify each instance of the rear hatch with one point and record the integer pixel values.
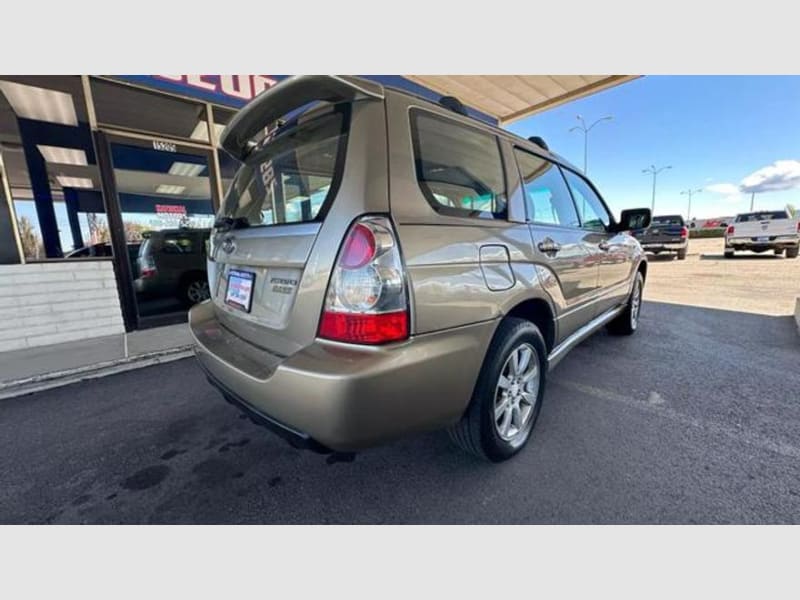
(266, 282)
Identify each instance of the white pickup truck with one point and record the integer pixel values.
(764, 230)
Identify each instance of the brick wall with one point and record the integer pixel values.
(50, 303)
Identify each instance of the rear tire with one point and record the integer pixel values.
(792, 252)
(778, 251)
(628, 320)
(728, 253)
(194, 289)
(682, 254)
(508, 395)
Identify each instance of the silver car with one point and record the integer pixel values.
(384, 265)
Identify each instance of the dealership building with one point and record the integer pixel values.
(97, 172)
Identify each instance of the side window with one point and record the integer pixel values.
(459, 169)
(546, 194)
(591, 210)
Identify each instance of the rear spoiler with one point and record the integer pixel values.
(286, 96)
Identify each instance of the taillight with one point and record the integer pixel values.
(366, 301)
(684, 232)
(730, 230)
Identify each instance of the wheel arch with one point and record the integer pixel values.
(539, 312)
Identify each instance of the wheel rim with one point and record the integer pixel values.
(636, 304)
(198, 291)
(517, 393)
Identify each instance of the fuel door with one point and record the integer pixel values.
(496, 267)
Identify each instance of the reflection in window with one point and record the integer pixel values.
(546, 195)
(289, 179)
(50, 164)
(458, 168)
(592, 213)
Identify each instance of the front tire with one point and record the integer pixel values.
(508, 395)
(628, 320)
(682, 254)
(778, 251)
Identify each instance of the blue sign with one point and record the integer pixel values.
(237, 90)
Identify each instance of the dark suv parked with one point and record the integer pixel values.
(172, 262)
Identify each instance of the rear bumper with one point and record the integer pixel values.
(670, 246)
(345, 397)
(748, 243)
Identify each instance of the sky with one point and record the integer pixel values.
(716, 132)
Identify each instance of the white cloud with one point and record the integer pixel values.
(726, 189)
(780, 175)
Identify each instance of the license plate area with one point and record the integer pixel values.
(762, 239)
(239, 290)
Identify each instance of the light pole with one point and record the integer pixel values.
(689, 193)
(582, 127)
(652, 169)
(752, 200)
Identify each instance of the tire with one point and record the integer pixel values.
(682, 254)
(728, 254)
(194, 289)
(778, 251)
(628, 320)
(482, 430)
(792, 252)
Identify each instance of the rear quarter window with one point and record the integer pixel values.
(458, 167)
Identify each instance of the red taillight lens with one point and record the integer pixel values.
(147, 272)
(364, 328)
(359, 248)
(684, 232)
(730, 230)
(366, 302)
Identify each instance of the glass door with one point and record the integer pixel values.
(165, 194)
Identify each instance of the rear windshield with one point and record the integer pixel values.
(291, 178)
(668, 220)
(762, 216)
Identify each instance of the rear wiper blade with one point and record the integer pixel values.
(228, 223)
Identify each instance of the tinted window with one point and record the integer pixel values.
(458, 168)
(667, 220)
(591, 210)
(762, 216)
(179, 244)
(290, 178)
(546, 195)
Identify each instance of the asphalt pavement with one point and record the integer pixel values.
(695, 419)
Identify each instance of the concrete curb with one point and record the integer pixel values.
(47, 381)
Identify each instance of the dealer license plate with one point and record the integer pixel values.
(239, 293)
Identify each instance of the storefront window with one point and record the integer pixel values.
(122, 106)
(50, 165)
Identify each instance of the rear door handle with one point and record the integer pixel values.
(605, 246)
(548, 246)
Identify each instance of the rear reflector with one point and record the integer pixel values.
(684, 232)
(364, 328)
(730, 230)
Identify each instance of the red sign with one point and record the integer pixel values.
(170, 209)
(239, 87)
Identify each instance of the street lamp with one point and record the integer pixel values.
(652, 169)
(582, 127)
(689, 193)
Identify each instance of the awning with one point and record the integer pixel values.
(513, 97)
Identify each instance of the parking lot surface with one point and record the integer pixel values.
(755, 283)
(695, 419)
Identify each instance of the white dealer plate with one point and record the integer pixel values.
(239, 293)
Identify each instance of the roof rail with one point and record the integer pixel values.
(286, 96)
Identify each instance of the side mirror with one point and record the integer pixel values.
(634, 218)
